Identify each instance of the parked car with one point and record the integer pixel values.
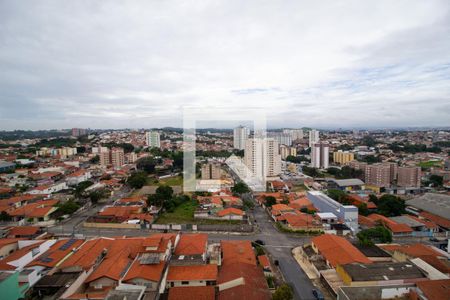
(276, 262)
(433, 239)
(259, 242)
(317, 295)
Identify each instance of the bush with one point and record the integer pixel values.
(283, 292)
(68, 207)
(137, 180)
(378, 234)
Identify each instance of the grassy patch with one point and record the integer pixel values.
(298, 188)
(285, 229)
(171, 181)
(184, 214)
(429, 164)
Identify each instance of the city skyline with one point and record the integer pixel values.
(105, 65)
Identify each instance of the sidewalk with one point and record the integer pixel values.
(304, 264)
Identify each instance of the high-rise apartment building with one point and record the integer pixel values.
(286, 151)
(379, 175)
(296, 134)
(262, 157)
(78, 132)
(240, 136)
(313, 137)
(281, 138)
(117, 157)
(343, 157)
(409, 176)
(114, 157)
(211, 171)
(152, 138)
(320, 155)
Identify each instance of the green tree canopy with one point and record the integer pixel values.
(390, 206)
(283, 292)
(137, 180)
(240, 188)
(377, 234)
(270, 200)
(146, 164)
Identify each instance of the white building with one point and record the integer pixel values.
(320, 155)
(152, 139)
(282, 138)
(262, 157)
(313, 137)
(240, 136)
(296, 134)
(78, 177)
(48, 189)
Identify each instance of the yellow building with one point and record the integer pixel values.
(342, 157)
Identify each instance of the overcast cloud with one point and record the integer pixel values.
(115, 64)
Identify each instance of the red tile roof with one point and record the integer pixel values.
(112, 267)
(302, 220)
(192, 244)
(4, 263)
(435, 289)
(56, 253)
(230, 211)
(436, 219)
(338, 251)
(238, 251)
(23, 230)
(192, 293)
(254, 285)
(87, 255)
(264, 261)
(194, 272)
(390, 224)
(146, 272)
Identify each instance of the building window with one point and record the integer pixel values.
(185, 282)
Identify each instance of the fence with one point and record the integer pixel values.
(205, 227)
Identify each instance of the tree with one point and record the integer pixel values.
(165, 191)
(377, 234)
(146, 164)
(68, 207)
(95, 159)
(96, 196)
(240, 188)
(435, 180)
(390, 206)
(283, 292)
(338, 195)
(137, 180)
(362, 209)
(81, 187)
(313, 172)
(4, 216)
(270, 200)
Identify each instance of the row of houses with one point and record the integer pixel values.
(171, 266)
(349, 270)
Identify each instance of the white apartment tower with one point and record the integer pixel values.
(240, 136)
(320, 155)
(313, 137)
(262, 157)
(152, 139)
(296, 134)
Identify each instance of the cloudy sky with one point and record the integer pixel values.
(116, 64)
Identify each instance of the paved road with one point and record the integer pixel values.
(73, 224)
(279, 245)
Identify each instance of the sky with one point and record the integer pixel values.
(139, 64)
